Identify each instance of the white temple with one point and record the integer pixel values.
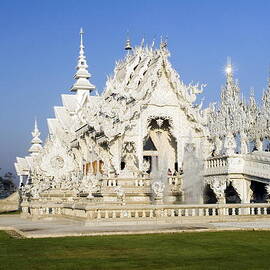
(145, 142)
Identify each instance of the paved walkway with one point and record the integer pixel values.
(67, 227)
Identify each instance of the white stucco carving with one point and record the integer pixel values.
(100, 149)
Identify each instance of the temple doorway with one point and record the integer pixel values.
(160, 146)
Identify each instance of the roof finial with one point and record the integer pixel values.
(142, 42)
(36, 127)
(232, 86)
(81, 34)
(36, 141)
(82, 75)
(163, 43)
(128, 43)
(229, 69)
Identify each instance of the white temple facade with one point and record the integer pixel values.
(145, 141)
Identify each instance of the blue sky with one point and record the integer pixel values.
(39, 46)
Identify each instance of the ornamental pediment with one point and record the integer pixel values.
(163, 95)
(56, 162)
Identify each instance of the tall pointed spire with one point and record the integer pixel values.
(82, 75)
(229, 70)
(231, 88)
(36, 141)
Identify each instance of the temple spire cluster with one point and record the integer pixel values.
(36, 141)
(82, 74)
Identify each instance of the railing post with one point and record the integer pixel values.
(144, 214)
(165, 212)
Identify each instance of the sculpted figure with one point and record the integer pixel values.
(158, 188)
(120, 194)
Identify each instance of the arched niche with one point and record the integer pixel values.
(231, 195)
(209, 195)
(259, 193)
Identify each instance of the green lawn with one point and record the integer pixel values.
(215, 250)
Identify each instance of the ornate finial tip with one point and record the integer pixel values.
(229, 68)
(81, 31)
(128, 45)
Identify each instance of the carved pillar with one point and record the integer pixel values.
(116, 156)
(219, 186)
(242, 187)
(267, 188)
(139, 144)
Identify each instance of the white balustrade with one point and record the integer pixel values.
(147, 212)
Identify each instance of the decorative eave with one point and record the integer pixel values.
(82, 130)
(74, 143)
(101, 138)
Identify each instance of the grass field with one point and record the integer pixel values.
(208, 250)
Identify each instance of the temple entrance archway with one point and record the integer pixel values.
(160, 146)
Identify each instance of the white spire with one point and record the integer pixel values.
(231, 91)
(36, 141)
(82, 75)
(229, 68)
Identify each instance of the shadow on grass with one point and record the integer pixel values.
(17, 212)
